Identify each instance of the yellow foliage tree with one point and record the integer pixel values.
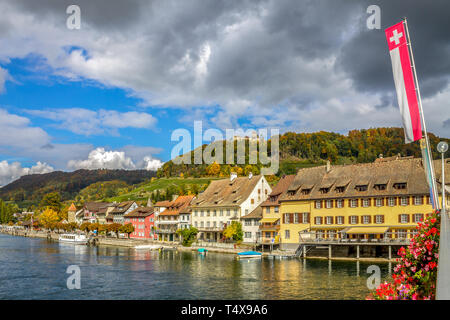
(48, 218)
(213, 169)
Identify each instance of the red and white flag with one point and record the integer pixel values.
(404, 82)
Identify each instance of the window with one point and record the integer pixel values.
(404, 218)
(214, 213)
(214, 224)
(318, 220)
(248, 235)
(353, 219)
(380, 187)
(329, 204)
(329, 220)
(418, 200)
(221, 212)
(339, 220)
(276, 209)
(340, 189)
(235, 212)
(202, 224)
(353, 203)
(361, 188)
(414, 232)
(201, 213)
(207, 213)
(366, 219)
(379, 219)
(379, 202)
(306, 191)
(255, 222)
(228, 212)
(399, 186)
(404, 201)
(268, 210)
(248, 222)
(418, 217)
(286, 218)
(318, 204)
(305, 217)
(287, 234)
(324, 190)
(339, 203)
(366, 203)
(391, 202)
(401, 234)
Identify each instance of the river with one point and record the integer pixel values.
(32, 268)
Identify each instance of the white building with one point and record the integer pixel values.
(225, 201)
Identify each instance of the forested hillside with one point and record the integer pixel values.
(298, 150)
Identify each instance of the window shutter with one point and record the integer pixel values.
(291, 218)
(284, 217)
(421, 216)
(332, 202)
(357, 202)
(409, 218)
(309, 217)
(399, 218)
(321, 220)
(382, 219)
(370, 219)
(370, 202)
(428, 199)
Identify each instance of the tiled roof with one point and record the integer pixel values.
(396, 170)
(165, 203)
(226, 193)
(279, 190)
(179, 205)
(72, 207)
(122, 207)
(95, 206)
(140, 212)
(255, 214)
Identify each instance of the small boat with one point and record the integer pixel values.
(202, 251)
(249, 255)
(73, 238)
(148, 247)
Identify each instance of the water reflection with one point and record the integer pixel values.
(36, 269)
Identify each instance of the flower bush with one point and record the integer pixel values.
(414, 277)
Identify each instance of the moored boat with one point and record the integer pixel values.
(249, 255)
(148, 247)
(202, 250)
(73, 238)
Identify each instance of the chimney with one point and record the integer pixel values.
(250, 175)
(174, 197)
(233, 176)
(328, 166)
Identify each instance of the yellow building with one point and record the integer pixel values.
(370, 202)
(271, 216)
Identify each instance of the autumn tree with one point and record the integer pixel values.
(127, 228)
(49, 218)
(52, 201)
(213, 169)
(234, 231)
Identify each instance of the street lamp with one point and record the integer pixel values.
(442, 147)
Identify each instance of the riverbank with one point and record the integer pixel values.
(230, 249)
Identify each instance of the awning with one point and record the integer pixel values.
(269, 220)
(367, 230)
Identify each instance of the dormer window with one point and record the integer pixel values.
(273, 198)
(361, 188)
(400, 186)
(306, 191)
(380, 186)
(291, 192)
(340, 189)
(324, 190)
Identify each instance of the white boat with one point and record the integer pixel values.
(73, 238)
(148, 247)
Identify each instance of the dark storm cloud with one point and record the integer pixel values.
(366, 60)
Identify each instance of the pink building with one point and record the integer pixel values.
(143, 221)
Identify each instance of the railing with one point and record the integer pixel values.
(168, 222)
(218, 229)
(269, 226)
(166, 231)
(267, 241)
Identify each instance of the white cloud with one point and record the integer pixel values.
(89, 122)
(103, 159)
(4, 75)
(12, 171)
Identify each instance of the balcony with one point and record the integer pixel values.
(168, 222)
(268, 241)
(269, 227)
(165, 231)
(210, 229)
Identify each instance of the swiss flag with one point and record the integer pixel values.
(404, 82)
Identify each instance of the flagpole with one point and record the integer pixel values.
(428, 153)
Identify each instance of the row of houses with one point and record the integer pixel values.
(364, 202)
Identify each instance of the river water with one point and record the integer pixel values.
(32, 268)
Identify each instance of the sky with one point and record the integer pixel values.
(110, 94)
